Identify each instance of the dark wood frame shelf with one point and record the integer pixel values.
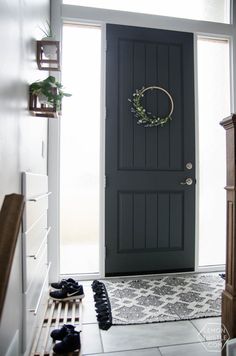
(43, 62)
(39, 110)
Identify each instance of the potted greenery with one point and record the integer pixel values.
(48, 50)
(49, 92)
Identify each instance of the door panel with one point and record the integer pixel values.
(141, 226)
(169, 143)
(149, 215)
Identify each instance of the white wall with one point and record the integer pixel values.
(21, 135)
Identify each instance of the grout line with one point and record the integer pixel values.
(183, 344)
(119, 351)
(205, 339)
(158, 348)
(197, 329)
(100, 335)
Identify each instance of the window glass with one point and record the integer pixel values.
(214, 105)
(206, 10)
(80, 150)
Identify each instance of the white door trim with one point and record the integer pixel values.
(79, 14)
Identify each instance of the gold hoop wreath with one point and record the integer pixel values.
(146, 118)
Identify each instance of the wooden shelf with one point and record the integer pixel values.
(37, 109)
(54, 115)
(44, 63)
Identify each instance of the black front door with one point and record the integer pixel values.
(149, 214)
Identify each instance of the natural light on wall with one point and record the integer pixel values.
(80, 150)
(206, 10)
(214, 105)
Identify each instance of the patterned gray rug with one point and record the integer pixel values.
(165, 298)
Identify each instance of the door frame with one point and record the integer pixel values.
(77, 14)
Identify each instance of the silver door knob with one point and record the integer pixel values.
(188, 181)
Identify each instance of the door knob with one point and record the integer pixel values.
(188, 181)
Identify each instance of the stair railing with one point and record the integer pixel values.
(10, 221)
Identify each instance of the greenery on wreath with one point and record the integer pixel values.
(144, 117)
(51, 89)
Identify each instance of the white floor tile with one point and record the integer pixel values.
(143, 352)
(88, 315)
(90, 339)
(129, 337)
(210, 328)
(88, 312)
(200, 349)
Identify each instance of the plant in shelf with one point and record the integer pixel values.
(49, 50)
(49, 92)
(47, 31)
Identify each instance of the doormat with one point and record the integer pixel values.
(165, 298)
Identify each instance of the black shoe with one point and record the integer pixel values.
(58, 285)
(59, 334)
(68, 292)
(71, 342)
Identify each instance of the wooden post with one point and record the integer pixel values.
(229, 294)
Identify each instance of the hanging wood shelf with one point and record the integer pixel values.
(41, 110)
(48, 55)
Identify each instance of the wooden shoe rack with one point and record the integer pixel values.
(56, 315)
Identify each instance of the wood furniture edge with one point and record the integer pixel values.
(229, 121)
(228, 307)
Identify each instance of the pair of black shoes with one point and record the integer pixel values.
(69, 339)
(67, 289)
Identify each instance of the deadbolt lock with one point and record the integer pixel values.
(189, 165)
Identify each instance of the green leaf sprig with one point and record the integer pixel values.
(51, 89)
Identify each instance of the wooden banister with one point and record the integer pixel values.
(229, 294)
(10, 220)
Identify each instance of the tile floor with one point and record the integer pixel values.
(199, 337)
